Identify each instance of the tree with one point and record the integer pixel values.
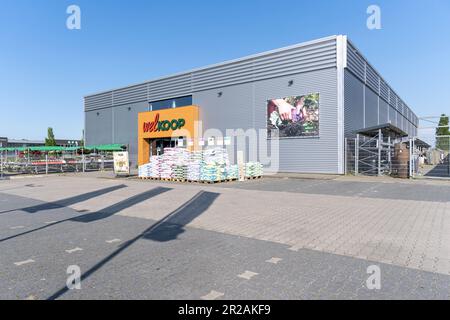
(443, 134)
(50, 140)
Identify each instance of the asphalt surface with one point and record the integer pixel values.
(379, 190)
(131, 258)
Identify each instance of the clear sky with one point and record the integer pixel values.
(46, 69)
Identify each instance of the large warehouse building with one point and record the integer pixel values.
(307, 97)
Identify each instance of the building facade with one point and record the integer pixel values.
(329, 88)
(24, 143)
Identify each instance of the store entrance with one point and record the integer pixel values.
(157, 146)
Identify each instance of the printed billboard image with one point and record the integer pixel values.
(293, 116)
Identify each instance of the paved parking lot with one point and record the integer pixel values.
(263, 239)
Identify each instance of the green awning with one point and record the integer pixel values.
(101, 147)
(107, 147)
(47, 149)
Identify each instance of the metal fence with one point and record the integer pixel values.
(376, 155)
(425, 156)
(16, 163)
(431, 148)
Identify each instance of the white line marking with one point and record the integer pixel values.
(21, 263)
(113, 241)
(213, 295)
(248, 275)
(50, 222)
(30, 297)
(274, 260)
(17, 227)
(295, 249)
(74, 250)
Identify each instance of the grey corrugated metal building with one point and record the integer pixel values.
(235, 94)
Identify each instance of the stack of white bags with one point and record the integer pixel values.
(194, 166)
(208, 165)
(155, 167)
(253, 169)
(144, 170)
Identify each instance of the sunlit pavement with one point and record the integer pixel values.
(263, 239)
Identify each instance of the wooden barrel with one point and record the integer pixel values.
(400, 163)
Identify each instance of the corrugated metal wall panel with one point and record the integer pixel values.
(244, 106)
(362, 70)
(234, 109)
(371, 109)
(100, 101)
(296, 59)
(384, 91)
(130, 95)
(383, 112)
(393, 100)
(125, 129)
(372, 79)
(170, 87)
(353, 104)
(315, 155)
(99, 127)
(356, 63)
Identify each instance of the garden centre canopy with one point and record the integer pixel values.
(103, 147)
(107, 147)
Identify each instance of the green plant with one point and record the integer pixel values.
(443, 134)
(50, 140)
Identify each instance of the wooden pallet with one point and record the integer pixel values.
(149, 178)
(211, 182)
(253, 178)
(194, 181)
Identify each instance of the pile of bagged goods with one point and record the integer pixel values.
(253, 169)
(210, 165)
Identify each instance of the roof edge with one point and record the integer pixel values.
(249, 57)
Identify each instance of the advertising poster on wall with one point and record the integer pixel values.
(121, 163)
(291, 117)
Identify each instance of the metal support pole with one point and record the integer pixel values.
(380, 146)
(345, 156)
(46, 163)
(414, 158)
(1, 168)
(389, 155)
(357, 155)
(410, 158)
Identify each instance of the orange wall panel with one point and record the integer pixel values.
(167, 123)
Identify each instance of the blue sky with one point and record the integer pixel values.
(46, 69)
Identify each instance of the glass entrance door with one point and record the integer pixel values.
(157, 146)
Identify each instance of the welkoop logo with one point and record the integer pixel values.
(374, 19)
(73, 22)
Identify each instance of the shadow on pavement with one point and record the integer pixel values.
(164, 230)
(170, 228)
(68, 201)
(103, 214)
(122, 205)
